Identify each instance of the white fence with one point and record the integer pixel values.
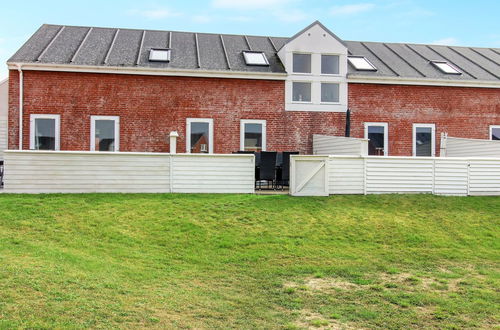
(339, 145)
(3, 116)
(459, 147)
(323, 175)
(80, 172)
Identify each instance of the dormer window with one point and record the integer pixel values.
(329, 64)
(159, 55)
(361, 63)
(255, 58)
(301, 63)
(446, 67)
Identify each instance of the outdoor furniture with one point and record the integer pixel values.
(283, 177)
(1, 173)
(267, 168)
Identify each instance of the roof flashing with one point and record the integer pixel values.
(159, 55)
(255, 58)
(446, 67)
(361, 63)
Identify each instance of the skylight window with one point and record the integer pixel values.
(361, 63)
(159, 55)
(255, 58)
(446, 67)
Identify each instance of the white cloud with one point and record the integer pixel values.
(351, 9)
(450, 41)
(291, 15)
(158, 13)
(249, 4)
(202, 19)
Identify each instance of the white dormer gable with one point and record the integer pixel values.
(316, 44)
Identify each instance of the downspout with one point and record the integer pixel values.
(21, 84)
(348, 123)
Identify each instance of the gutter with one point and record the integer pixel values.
(149, 71)
(359, 79)
(21, 97)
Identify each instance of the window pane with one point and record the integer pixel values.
(329, 64)
(199, 138)
(301, 92)
(302, 63)
(423, 141)
(329, 92)
(495, 133)
(45, 134)
(105, 135)
(376, 144)
(253, 137)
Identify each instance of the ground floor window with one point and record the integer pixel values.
(495, 132)
(199, 135)
(424, 140)
(105, 133)
(379, 140)
(253, 135)
(44, 132)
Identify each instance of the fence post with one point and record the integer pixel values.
(468, 178)
(364, 175)
(442, 149)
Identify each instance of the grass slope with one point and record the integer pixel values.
(245, 261)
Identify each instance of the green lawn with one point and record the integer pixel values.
(246, 261)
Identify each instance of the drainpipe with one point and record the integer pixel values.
(21, 84)
(348, 123)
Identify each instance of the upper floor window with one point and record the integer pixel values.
(329, 64)
(255, 58)
(301, 92)
(105, 133)
(159, 55)
(44, 132)
(495, 132)
(301, 63)
(329, 92)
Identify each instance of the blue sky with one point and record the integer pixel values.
(459, 22)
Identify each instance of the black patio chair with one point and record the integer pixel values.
(284, 175)
(267, 168)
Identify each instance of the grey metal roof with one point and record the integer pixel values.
(113, 47)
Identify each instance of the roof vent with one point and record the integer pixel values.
(446, 67)
(159, 55)
(361, 63)
(255, 58)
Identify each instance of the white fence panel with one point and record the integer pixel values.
(484, 177)
(451, 176)
(3, 136)
(213, 173)
(4, 96)
(346, 175)
(309, 175)
(85, 172)
(458, 147)
(399, 175)
(339, 145)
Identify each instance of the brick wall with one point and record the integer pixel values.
(459, 111)
(150, 107)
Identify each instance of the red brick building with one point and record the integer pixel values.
(80, 88)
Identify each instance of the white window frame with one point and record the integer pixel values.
(321, 65)
(303, 73)
(491, 130)
(386, 134)
(242, 131)
(92, 130)
(57, 132)
(433, 132)
(307, 82)
(210, 122)
(328, 82)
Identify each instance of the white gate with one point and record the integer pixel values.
(308, 175)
